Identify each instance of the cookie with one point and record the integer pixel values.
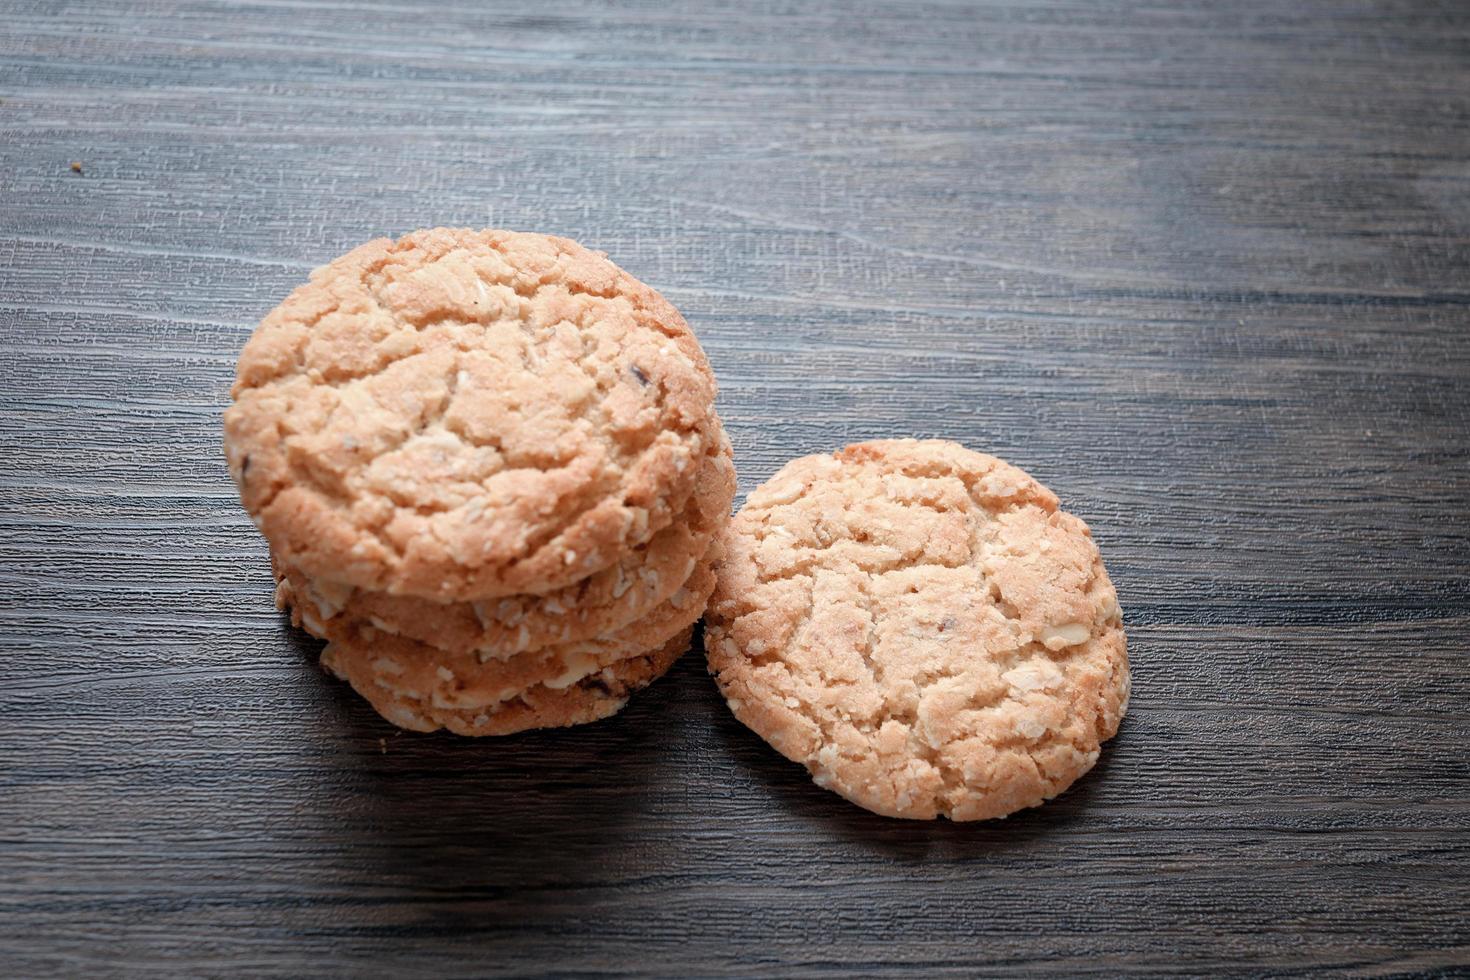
(463, 415)
(593, 697)
(922, 627)
(463, 681)
(604, 602)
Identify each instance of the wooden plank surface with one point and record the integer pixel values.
(1203, 268)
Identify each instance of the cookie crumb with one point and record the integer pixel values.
(383, 746)
(76, 166)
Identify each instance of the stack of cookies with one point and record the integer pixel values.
(491, 475)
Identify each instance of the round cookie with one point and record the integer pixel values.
(605, 601)
(466, 681)
(461, 415)
(920, 626)
(591, 698)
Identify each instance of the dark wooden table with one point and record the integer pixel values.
(1202, 267)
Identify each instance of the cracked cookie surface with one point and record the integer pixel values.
(464, 415)
(606, 601)
(922, 627)
(593, 697)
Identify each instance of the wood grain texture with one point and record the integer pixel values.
(1202, 268)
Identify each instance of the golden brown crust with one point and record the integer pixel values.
(604, 602)
(922, 627)
(464, 415)
(593, 697)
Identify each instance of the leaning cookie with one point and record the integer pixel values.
(602, 603)
(922, 627)
(462, 415)
(591, 698)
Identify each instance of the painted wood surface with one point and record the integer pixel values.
(1203, 268)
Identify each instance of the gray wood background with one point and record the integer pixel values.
(1202, 267)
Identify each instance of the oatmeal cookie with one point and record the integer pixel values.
(922, 627)
(461, 681)
(463, 415)
(592, 697)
